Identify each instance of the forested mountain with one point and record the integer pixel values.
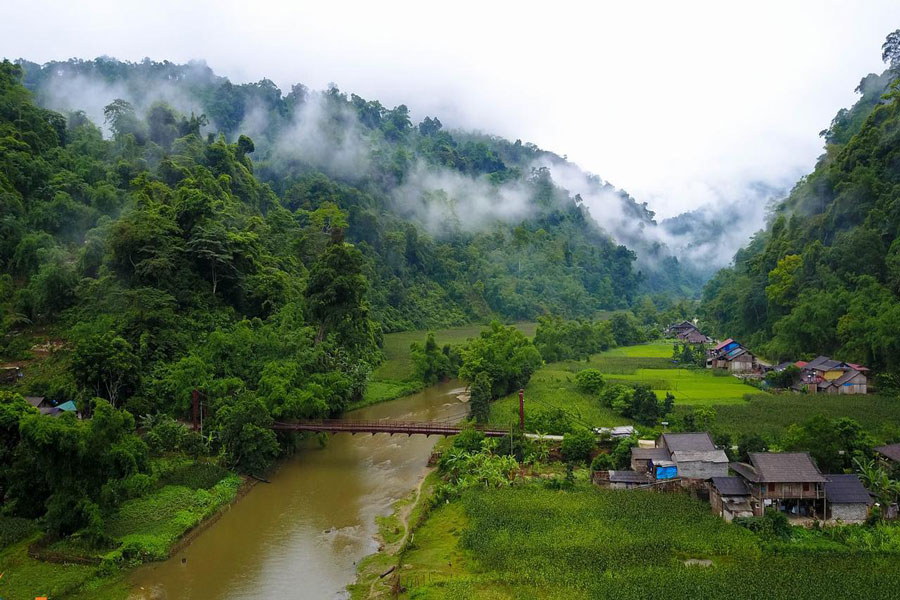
(824, 277)
(454, 226)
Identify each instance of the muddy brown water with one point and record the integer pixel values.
(301, 535)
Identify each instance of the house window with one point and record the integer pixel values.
(805, 487)
(771, 488)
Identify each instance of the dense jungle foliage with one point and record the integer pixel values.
(824, 277)
(453, 226)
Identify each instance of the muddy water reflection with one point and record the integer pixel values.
(301, 535)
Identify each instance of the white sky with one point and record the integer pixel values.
(677, 102)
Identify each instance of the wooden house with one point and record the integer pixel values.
(730, 355)
(693, 336)
(676, 329)
(729, 497)
(788, 481)
(823, 375)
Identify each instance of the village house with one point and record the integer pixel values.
(788, 481)
(38, 402)
(729, 497)
(732, 356)
(642, 459)
(687, 332)
(695, 455)
(693, 336)
(824, 375)
(679, 328)
(847, 500)
(682, 455)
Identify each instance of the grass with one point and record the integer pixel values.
(394, 377)
(531, 542)
(25, 578)
(147, 527)
(739, 407)
(553, 385)
(770, 414)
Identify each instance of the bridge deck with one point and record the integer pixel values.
(403, 427)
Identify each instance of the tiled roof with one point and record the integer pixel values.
(731, 486)
(698, 442)
(627, 477)
(891, 451)
(713, 456)
(785, 467)
(35, 401)
(650, 453)
(846, 489)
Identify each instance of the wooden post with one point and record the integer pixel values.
(195, 400)
(522, 410)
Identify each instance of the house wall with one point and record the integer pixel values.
(741, 364)
(702, 469)
(787, 490)
(832, 375)
(856, 385)
(849, 513)
(715, 501)
(642, 465)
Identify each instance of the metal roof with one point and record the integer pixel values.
(714, 456)
(650, 453)
(891, 451)
(785, 467)
(731, 486)
(823, 363)
(723, 344)
(627, 477)
(35, 401)
(846, 489)
(697, 441)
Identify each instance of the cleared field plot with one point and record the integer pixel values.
(690, 387)
(651, 350)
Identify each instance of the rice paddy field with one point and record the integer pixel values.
(531, 542)
(740, 408)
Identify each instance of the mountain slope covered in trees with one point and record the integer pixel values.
(824, 277)
(454, 226)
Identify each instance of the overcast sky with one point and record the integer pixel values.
(680, 103)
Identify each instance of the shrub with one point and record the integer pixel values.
(468, 440)
(602, 462)
(589, 381)
(578, 445)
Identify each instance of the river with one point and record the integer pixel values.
(301, 535)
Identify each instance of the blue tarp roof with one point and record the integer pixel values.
(68, 406)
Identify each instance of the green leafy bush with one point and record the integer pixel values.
(589, 381)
